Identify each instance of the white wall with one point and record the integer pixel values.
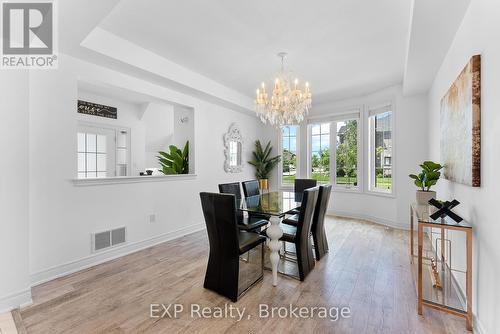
(14, 106)
(64, 215)
(184, 131)
(410, 149)
(479, 33)
(158, 120)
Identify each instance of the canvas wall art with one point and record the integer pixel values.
(461, 126)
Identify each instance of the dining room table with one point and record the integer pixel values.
(274, 204)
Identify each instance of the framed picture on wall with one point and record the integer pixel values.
(461, 126)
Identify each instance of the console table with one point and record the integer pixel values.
(436, 284)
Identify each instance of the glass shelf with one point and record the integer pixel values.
(433, 238)
(424, 212)
(449, 296)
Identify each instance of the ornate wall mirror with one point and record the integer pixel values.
(233, 150)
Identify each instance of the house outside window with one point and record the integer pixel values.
(381, 150)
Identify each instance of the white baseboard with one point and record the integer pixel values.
(370, 218)
(17, 299)
(108, 255)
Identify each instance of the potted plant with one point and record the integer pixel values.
(425, 180)
(176, 161)
(263, 163)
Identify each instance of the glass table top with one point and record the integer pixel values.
(275, 203)
(424, 212)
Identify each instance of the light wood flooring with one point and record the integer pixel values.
(367, 269)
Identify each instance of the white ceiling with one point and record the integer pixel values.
(121, 94)
(221, 50)
(434, 25)
(337, 45)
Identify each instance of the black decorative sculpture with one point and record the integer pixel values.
(444, 209)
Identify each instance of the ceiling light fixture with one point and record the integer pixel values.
(288, 105)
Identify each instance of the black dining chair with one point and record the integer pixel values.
(318, 223)
(299, 186)
(225, 274)
(300, 235)
(250, 222)
(302, 184)
(251, 188)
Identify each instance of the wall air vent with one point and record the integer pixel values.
(107, 239)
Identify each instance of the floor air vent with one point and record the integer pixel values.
(106, 239)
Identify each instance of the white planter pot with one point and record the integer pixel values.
(423, 197)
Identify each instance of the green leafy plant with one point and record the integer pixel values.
(262, 162)
(429, 176)
(176, 161)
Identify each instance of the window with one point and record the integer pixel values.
(347, 137)
(289, 154)
(320, 152)
(381, 150)
(92, 155)
(102, 152)
(346, 153)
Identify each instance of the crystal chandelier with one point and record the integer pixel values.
(287, 105)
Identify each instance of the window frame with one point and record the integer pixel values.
(96, 153)
(85, 127)
(371, 112)
(353, 113)
(333, 162)
(310, 124)
(280, 164)
(360, 112)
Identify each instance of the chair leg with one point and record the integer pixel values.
(305, 260)
(255, 280)
(320, 245)
(262, 260)
(229, 272)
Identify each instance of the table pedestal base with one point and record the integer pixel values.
(274, 232)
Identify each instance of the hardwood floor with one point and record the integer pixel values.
(367, 270)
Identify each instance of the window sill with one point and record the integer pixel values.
(355, 190)
(381, 193)
(360, 192)
(131, 179)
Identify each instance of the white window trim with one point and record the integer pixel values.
(354, 113)
(333, 158)
(310, 123)
(373, 110)
(280, 164)
(363, 110)
(115, 128)
(362, 113)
